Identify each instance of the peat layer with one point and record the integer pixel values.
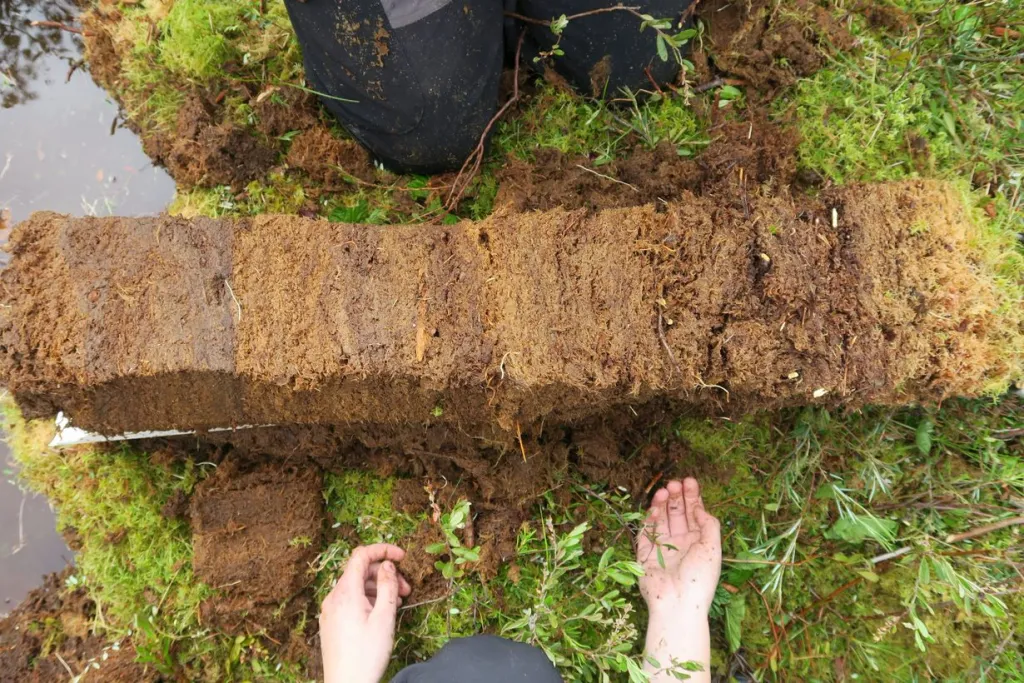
(862, 295)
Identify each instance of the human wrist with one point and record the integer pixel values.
(353, 675)
(682, 607)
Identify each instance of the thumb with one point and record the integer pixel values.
(386, 606)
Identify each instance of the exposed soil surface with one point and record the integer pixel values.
(327, 159)
(503, 476)
(54, 624)
(256, 529)
(769, 46)
(766, 154)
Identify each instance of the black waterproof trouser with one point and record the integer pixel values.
(416, 81)
(483, 659)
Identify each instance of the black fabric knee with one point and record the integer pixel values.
(605, 52)
(487, 659)
(422, 75)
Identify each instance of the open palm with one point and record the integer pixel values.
(680, 549)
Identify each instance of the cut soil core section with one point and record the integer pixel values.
(727, 303)
(255, 535)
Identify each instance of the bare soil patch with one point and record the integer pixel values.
(256, 530)
(764, 153)
(757, 42)
(50, 632)
(771, 46)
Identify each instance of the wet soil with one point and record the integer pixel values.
(49, 638)
(763, 152)
(746, 296)
(502, 475)
(329, 160)
(767, 45)
(256, 530)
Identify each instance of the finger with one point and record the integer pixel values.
(655, 526)
(677, 523)
(370, 587)
(386, 604)
(691, 496)
(358, 568)
(373, 601)
(710, 529)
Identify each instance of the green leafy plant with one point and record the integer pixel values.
(457, 556)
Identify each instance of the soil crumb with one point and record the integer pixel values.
(206, 154)
(256, 529)
(286, 110)
(766, 153)
(768, 47)
(887, 17)
(620, 451)
(327, 159)
(53, 624)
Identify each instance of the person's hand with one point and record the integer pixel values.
(680, 549)
(357, 619)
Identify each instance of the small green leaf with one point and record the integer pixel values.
(859, 528)
(621, 578)
(436, 548)
(924, 574)
(735, 611)
(579, 530)
(868, 575)
(467, 554)
(662, 48)
(923, 436)
(729, 92)
(661, 558)
(636, 674)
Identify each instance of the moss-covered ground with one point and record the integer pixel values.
(843, 560)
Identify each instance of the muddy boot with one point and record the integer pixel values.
(415, 81)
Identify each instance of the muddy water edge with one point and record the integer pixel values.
(62, 148)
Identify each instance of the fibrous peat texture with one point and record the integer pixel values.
(862, 295)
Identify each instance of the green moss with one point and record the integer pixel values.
(933, 102)
(781, 495)
(135, 563)
(197, 37)
(277, 193)
(358, 502)
(557, 119)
